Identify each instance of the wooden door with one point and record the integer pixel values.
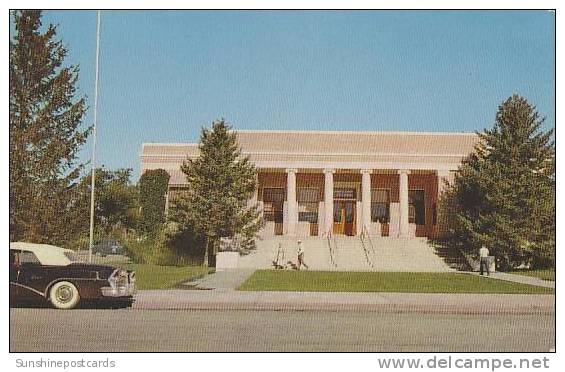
(339, 218)
(349, 221)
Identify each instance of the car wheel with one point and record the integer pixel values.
(64, 295)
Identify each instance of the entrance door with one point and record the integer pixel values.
(344, 218)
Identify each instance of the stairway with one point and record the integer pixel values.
(390, 254)
(316, 256)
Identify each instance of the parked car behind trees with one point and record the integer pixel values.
(107, 247)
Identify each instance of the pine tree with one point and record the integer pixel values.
(45, 115)
(220, 183)
(504, 193)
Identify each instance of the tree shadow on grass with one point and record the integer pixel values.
(450, 253)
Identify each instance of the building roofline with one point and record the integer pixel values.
(337, 132)
(259, 153)
(192, 144)
(366, 132)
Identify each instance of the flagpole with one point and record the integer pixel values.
(93, 175)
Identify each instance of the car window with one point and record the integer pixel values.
(71, 256)
(27, 257)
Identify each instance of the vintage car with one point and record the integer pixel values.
(108, 247)
(49, 273)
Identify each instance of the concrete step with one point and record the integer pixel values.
(386, 254)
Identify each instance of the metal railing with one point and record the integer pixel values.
(367, 244)
(332, 247)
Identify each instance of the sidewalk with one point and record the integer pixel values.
(217, 291)
(222, 280)
(522, 279)
(438, 303)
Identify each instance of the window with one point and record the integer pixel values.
(380, 205)
(337, 212)
(308, 212)
(275, 194)
(71, 256)
(416, 207)
(345, 193)
(27, 257)
(273, 200)
(307, 198)
(307, 194)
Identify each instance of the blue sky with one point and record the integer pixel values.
(165, 74)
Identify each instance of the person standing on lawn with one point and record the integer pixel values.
(483, 256)
(301, 256)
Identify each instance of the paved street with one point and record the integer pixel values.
(248, 330)
(433, 303)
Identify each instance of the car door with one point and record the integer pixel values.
(31, 276)
(14, 270)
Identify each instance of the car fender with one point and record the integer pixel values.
(87, 287)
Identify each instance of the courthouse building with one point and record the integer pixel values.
(311, 183)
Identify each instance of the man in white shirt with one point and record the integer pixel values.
(301, 256)
(483, 256)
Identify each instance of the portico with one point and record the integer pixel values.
(379, 202)
(312, 183)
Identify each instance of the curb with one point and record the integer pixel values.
(398, 309)
(463, 304)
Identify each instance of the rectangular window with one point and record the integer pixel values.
(345, 193)
(27, 257)
(307, 194)
(307, 198)
(273, 201)
(416, 207)
(380, 205)
(308, 212)
(273, 194)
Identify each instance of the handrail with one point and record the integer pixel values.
(365, 235)
(333, 249)
(366, 231)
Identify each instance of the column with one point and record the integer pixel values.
(328, 199)
(366, 198)
(404, 227)
(291, 201)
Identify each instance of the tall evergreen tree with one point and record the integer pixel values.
(153, 185)
(45, 114)
(504, 193)
(220, 183)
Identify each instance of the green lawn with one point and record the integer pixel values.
(162, 277)
(547, 274)
(325, 281)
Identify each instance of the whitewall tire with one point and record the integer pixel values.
(64, 295)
